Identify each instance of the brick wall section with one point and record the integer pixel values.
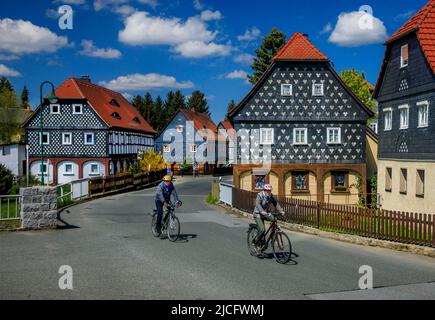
(38, 208)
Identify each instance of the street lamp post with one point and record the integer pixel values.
(52, 98)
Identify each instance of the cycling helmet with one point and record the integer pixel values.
(167, 178)
(267, 187)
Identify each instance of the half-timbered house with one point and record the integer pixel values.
(90, 131)
(301, 129)
(406, 94)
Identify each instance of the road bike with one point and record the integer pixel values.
(280, 242)
(170, 223)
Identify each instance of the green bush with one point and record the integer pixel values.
(210, 199)
(6, 179)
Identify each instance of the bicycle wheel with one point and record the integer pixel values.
(252, 233)
(173, 228)
(282, 247)
(153, 226)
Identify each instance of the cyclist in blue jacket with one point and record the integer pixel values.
(163, 197)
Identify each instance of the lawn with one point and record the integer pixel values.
(66, 199)
(14, 208)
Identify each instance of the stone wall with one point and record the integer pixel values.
(38, 207)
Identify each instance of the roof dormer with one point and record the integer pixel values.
(114, 103)
(116, 115)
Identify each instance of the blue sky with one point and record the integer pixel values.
(135, 46)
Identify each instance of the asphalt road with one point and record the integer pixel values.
(113, 255)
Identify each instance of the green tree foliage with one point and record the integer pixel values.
(148, 107)
(5, 84)
(6, 179)
(198, 102)
(170, 106)
(158, 112)
(25, 98)
(230, 107)
(270, 46)
(360, 86)
(11, 117)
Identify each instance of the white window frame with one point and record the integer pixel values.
(305, 130)
(314, 90)
(402, 125)
(55, 105)
(328, 136)
(390, 111)
(402, 62)
(66, 173)
(48, 138)
(282, 89)
(74, 108)
(45, 172)
(180, 128)
(63, 138)
(93, 173)
(93, 138)
(193, 148)
(166, 148)
(420, 105)
(263, 134)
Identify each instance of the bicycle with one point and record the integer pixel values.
(170, 225)
(281, 244)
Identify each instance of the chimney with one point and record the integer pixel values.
(85, 78)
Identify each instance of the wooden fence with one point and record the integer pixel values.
(101, 185)
(405, 227)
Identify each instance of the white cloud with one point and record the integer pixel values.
(190, 38)
(148, 81)
(250, 34)
(115, 4)
(127, 96)
(197, 5)
(8, 72)
(327, 29)
(90, 50)
(236, 74)
(208, 15)
(124, 10)
(52, 14)
(8, 57)
(404, 16)
(244, 58)
(355, 29)
(143, 29)
(102, 4)
(20, 37)
(200, 49)
(76, 2)
(152, 3)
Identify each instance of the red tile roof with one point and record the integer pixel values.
(228, 126)
(300, 48)
(424, 25)
(99, 98)
(202, 123)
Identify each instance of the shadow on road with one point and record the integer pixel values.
(66, 225)
(186, 237)
(182, 238)
(270, 256)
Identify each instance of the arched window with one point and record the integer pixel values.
(116, 115)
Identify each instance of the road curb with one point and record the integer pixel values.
(411, 248)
